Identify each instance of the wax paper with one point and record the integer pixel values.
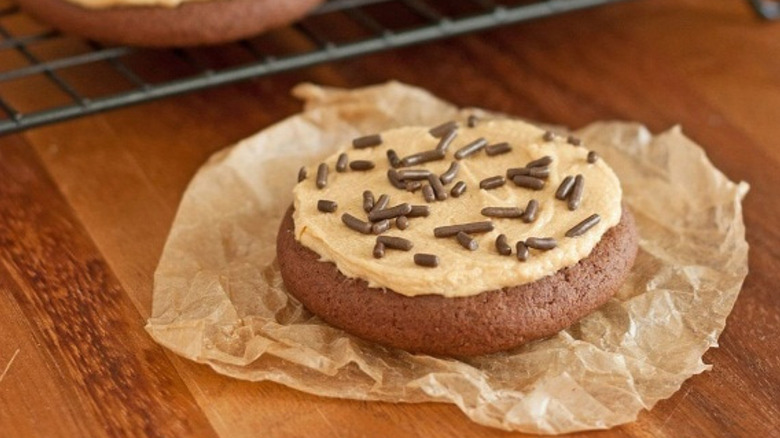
(219, 298)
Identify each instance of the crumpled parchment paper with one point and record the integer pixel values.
(219, 297)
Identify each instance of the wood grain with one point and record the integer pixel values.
(92, 335)
(85, 207)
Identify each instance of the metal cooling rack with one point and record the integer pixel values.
(75, 77)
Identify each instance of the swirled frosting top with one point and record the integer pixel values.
(460, 272)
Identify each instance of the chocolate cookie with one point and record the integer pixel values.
(191, 23)
(491, 321)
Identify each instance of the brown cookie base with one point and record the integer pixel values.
(489, 322)
(198, 23)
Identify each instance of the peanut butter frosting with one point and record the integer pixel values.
(460, 272)
(101, 4)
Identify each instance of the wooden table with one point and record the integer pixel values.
(85, 207)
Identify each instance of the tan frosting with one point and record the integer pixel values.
(460, 272)
(100, 4)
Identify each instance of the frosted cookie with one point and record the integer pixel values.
(457, 240)
(167, 23)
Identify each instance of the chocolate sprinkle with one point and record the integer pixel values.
(450, 173)
(469, 228)
(522, 251)
(368, 201)
(402, 222)
(592, 157)
(541, 162)
(471, 148)
(438, 188)
(565, 188)
(539, 172)
(446, 141)
(572, 140)
(502, 246)
(584, 226)
(497, 149)
(427, 260)
(395, 242)
(367, 141)
(395, 180)
(422, 157)
(530, 211)
(341, 163)
(502, 212)
(413, 186)
(458, 189)
(361, 165)
(414, 174)
(419, 211)
(575, 197)
(548, 136)
(428, 193)
(322, 176)
(492, 183)
(393, 158)
(528, 182)
(356, 224)
(443, 129)
(380, 203)
(467, 241)
(381, 226)
(536, 172)
(302, 174)
(326, 206)
(379, 250)
(514, 171)
(472, 121)
(389, 213)
(542, 243)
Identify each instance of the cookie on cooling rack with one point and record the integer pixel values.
(167, 23)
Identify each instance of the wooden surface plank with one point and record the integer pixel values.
(114, 379)
(33, 393)
(709, 66)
